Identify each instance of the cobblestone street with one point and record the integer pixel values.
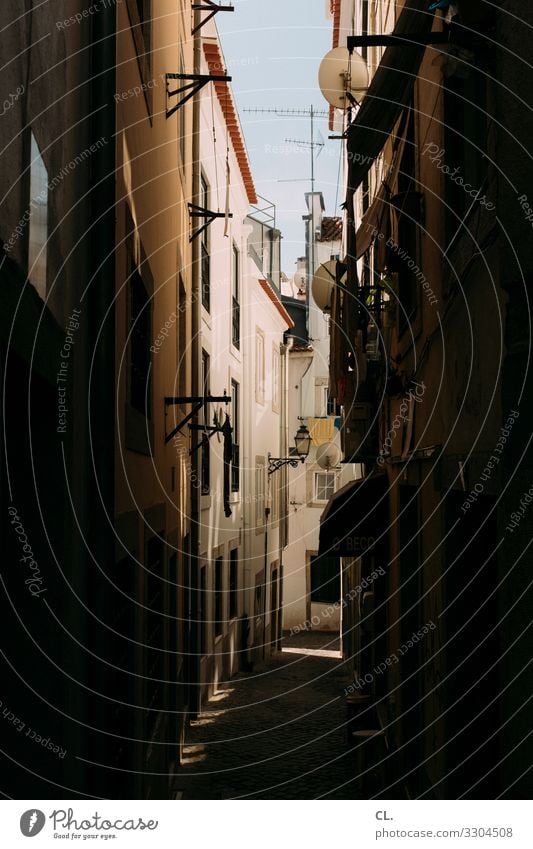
(278, 734)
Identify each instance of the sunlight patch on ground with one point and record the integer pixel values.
(315, 652)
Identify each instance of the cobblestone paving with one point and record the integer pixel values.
(279, 734)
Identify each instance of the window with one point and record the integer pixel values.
(140, 333)
(38, 224)
(276, 485)
(182, 118)
(333, 408)
(203, 624)
(235, 456)
(233, 581)
(219, 596)
(140, 14)
(260, 367)
(275, 378)
(325, 579)
(145, 17)
(204, 249)
(321, 398)
(204, 419)
(259, 493)
(324, 486)
(236, 307)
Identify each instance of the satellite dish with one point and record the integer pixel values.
(323, 283)
(328, 455)
(343, 78)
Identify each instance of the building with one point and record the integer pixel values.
(311, 584)
(96, 329)
(266, 398)
(153, 332)
(436, 411)
(242, 323)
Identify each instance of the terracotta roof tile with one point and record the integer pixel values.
(331, 230)
(225, 98)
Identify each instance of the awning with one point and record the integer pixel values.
(389, 92)
(375, 219)
(355, 518)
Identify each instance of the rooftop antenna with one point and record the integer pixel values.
(312, 113)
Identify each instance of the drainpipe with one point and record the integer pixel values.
(195, 646)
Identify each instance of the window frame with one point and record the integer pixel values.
(259, 494)
(260, 371)
(316, 475)
(205, 258)
(236, 424)
(276, 379)
(39, 218)
(235, 298)
(141, 31)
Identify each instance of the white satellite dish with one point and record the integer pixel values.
(343, 77)
(323, 283)
(328, 455)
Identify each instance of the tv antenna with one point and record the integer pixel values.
(312, 113)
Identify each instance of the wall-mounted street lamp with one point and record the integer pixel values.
(302, 441)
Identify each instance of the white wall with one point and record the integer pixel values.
(309, 377)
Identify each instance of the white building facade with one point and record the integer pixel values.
(241, 329)
(312, 586)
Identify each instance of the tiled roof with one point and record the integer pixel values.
(216, 65)
(331, 230)
(269, 291)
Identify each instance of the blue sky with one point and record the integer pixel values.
(273, 49)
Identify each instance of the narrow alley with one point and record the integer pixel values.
(277, 733)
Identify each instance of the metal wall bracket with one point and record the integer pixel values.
(197, 403)
(209, 216)
(212, 8)
(195, 83)
(453, 33)
(275, 463)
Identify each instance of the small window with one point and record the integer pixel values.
(260, 367)
(38, 224)
(144, 9)
(259, 495)
(219, 596)
(235, 448)
(233, 582)
(275, 379)
(324, 486)
(236, 306)
(182, 337)
(204, 249)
